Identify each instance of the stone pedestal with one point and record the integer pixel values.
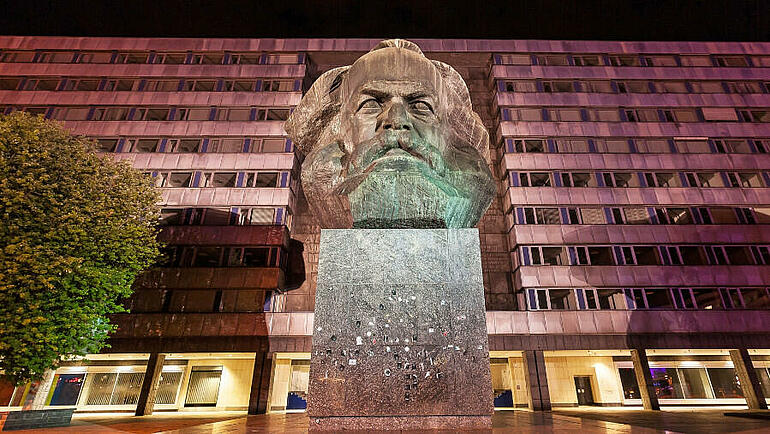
(400, 339)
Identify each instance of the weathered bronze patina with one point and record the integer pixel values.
(392, 142)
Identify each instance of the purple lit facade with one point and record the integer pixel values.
(630, 227)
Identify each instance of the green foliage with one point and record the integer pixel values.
(75, 229)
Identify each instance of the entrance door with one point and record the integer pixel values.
(585, 395)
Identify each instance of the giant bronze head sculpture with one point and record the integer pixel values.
(392, 142)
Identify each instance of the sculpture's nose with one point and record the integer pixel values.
(396, 117)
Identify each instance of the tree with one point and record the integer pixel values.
(75, 230)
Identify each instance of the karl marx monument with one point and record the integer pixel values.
(396, 172)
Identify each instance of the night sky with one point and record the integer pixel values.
(736, 20)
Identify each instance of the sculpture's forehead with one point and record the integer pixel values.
(403, 69)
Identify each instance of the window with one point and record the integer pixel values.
(200, 85)
(542, 216)
(207, 59)
(223, 179)
(121, 85)
(528, 114)
(642, 115)
(586, 60)
(572, 145)
(707, 86)
(743, 87)
(106, 145)
(756, 115)
(9, 83)
(552, 60)
(535, 179)
(277, 85)
(170, 58)
(731, 61)
(660, 61)
(695, 60)
(565, 115)
(719, 114)
(572, 216)
(633, 86)
(743, 179)
(600, 255)
(646, 255)
(17, 56)
(256, 216)
(598, 86)
(262, 179)
(240, 86)
(611, 298)
(693, 146)
(558, 86)
(577, 179)
(670, 87)
(545, 256)
(527, 145)
(143, 145)
(268, 145)
(679, 216)
(131, 58)
(56, 57)
(515, 59)
(620, 60)
(245, 59)
(652, 146)
(636, 216)
(225, 145)
(183, 145)
(179, 179)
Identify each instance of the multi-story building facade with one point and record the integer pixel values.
(627, 255)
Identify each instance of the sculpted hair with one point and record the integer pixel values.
(315, 120)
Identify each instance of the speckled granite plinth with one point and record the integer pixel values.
(400, 339)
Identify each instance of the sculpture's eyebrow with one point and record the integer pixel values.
(416, 95)
(379, 94)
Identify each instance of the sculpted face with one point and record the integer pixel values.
(391, 157)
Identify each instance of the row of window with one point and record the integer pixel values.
(641, 216)
(195, 144)
(632, 86)
(648, 60)
(202, 256)
(646, 298)
(149, 85)
(625, 145)
(170, 58)
(154, 113)
(225, 216)
(199, 300)
(689, 382)
(645, 255)
(640, 179)
(197, 179)
(626, 114)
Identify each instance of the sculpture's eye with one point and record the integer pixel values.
(371, 105)
(422, 107)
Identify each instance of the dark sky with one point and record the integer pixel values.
(716, 20)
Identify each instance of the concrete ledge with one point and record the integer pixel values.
(32, 419)
(365, 423)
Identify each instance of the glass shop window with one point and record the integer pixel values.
(666, 383)
(299, 378)
(66, 389)
(168, 387)
(629, 384)
(725, 383)
(203, 388)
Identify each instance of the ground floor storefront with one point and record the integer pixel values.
(222, 382)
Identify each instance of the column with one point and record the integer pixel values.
(644, 380)
(752, 391)
(150, 384)
(536, 381)
(260, 383)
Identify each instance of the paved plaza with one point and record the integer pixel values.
(584, 419)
